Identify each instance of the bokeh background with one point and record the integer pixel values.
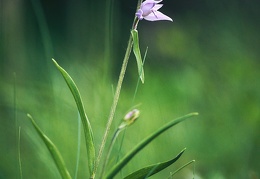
(206, 61)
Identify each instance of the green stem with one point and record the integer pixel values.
(117, 93)
(109, 151)
(115, 101)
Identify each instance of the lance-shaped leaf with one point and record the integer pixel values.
(53, 150)
(153, 169)
(143, 143)
(137, 53)
(85, 122)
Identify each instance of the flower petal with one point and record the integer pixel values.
(147, 8)
(158, 1)
(157, 6)
(152, 1)
(157, 16)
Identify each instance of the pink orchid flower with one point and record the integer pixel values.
(149, 11)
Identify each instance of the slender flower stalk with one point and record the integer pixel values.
(147, 10)
(128, 120)
(115, 101)
(117, 93)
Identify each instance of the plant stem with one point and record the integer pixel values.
(117, 93)
(115, 101)
(109, 151)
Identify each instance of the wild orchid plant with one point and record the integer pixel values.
(147, 10)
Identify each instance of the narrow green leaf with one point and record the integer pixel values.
(138, 81)
(137, 53)
(84, 119)
(19, 153)
(182, 167)
(153, 169)
(142, 144)
(53, 150)
(78, 147)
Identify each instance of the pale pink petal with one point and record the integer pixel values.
(152, 1)
(158, 1)
(157, 6)
(149, 11)
(147, 8)
(157, 16)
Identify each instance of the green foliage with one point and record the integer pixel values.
(153, 169)
(142, 144)
(182, 167)
(205, 63)
(137, 53)
(89, 135)
(53, 150)
(86, 124)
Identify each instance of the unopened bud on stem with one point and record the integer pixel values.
(129, 118)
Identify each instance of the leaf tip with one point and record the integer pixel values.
(29, 116)
(183, 150)
(54, 61)
(194, 114)
(142, 79)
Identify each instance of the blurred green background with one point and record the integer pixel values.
(206, 61)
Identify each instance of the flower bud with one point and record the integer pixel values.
(129, 118)
(132, 115)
